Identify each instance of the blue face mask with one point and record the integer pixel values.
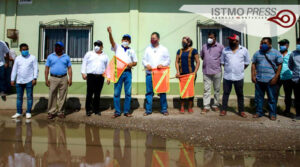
(25, 53)
(264, 47)
(283, 48)
(298, 47)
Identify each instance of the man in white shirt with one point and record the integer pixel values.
(156, 56)
(4, 57)
(24, 73)
(126, 54)
(93, 66)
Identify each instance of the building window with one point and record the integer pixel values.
(222, 34)
(77, 40)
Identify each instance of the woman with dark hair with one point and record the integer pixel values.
(185, 64)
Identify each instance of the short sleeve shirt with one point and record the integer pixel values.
(58, 65)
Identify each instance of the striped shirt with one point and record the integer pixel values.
(294, 65)
(264, 70)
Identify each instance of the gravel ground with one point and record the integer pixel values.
(230, 132)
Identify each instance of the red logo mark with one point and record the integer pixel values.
(284, 18)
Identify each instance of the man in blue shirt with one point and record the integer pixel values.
(265, 71)
(59, 65)
(294, 66)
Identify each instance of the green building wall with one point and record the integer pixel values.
(139, 18)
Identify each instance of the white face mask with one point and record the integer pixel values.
(97, 48)
(125, 44)
(210, 40)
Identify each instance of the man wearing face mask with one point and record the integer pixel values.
(127, 54)
(235, 60)
(265, 72)
(212, 71)
(93, 66)
(23, 76)
(294, 66)
(286, 76)
(156, 56)
(59, 65)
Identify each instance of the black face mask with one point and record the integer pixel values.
(185, 45)
(232, 45)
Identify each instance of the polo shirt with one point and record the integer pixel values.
(58, 65)
(126, 54)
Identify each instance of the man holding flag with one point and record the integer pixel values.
(124, 54)
(156, 59)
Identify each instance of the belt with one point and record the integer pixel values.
(128, 70)
(58, 76)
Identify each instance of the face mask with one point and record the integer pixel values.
(184, 45)
(210, 40)
(283, 48)
(154, 42)
(125, 44)
(264, 47)
(97, 48)
(298, 47)
(25, 53)
(232, 45)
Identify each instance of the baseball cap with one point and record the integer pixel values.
(234, 37)
(60, 44)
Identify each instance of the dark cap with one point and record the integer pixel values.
(59, 43)
(126, 36)
(284, 42)
(98, 43)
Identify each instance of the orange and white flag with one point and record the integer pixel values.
(115, 69)
(161, 80)
(186, 85)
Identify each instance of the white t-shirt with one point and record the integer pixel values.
(3, 51)
(127, 56)
(94, 63)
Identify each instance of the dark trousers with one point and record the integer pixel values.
(238, 86)
(296, 87)
(288, 88)
(94, 87)
(260, 89)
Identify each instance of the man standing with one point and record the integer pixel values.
(156, 56)
(286, 76)
(212, 71)
(126, 54)
(235, 60)
(59, 65)
(12, 56)
(4, 57)
(265, 71)
(25, 73)
(294, 65)
(93, 66)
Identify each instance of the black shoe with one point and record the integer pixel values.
(98, 113)
(88, 113)
(116, 116)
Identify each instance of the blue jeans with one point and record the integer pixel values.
(125, 78)
(2, 79)
(20, 92)
(260, 89)
(149, 97)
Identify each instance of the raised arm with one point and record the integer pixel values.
(111, 39)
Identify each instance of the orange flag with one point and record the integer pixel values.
(160, 159)
(161, 80)
(115, 69)
(187, 156)
(186, 85)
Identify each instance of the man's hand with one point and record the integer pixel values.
(177, 75)
(160, 66)
(148, 67)
(108, 82)
(274, 81)
(253, 79)
(84, 76)
(47, 83)
(5, 65)
(129, 65)
(109, 29)
(33, 82)
(70, 82)
(12, 83)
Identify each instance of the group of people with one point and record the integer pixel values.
(270, 70)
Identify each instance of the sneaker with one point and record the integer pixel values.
(17, 115)
(204, 111)
(28, 115)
